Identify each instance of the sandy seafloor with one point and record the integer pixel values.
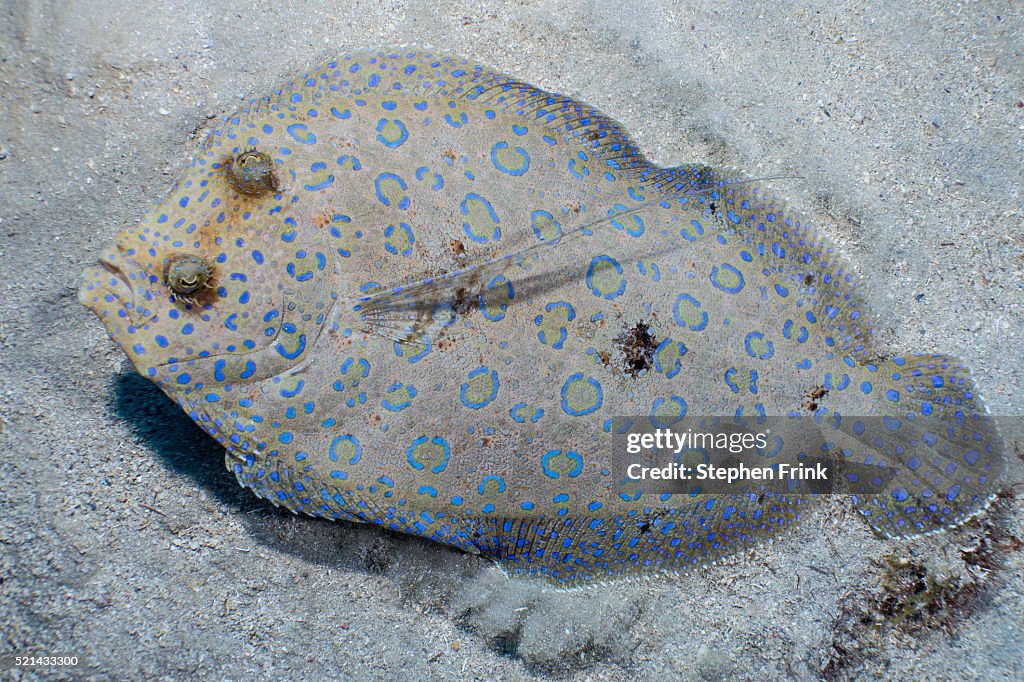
(125, 542)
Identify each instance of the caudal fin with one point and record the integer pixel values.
(934, 441)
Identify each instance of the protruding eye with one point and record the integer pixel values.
(186, 275)
(252, 173)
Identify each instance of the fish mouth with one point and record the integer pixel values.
(108, 288)
(111, 266)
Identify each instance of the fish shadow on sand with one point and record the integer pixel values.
(185, 450)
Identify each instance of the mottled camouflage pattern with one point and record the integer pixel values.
(428, 313)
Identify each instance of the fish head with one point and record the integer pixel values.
(224, 281)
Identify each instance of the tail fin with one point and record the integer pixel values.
(935, 439)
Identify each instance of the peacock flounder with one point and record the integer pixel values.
(411, 291)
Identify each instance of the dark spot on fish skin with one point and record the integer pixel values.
(592, 135)
(645, 527)
(458, 248)
(812, 398)
(714, 209)
(808, 279)
(322, 220)
(637, 345)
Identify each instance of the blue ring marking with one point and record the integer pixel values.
(398, 407)
(292, 355)
(381, 124)
(341, 114)
(486, 401)
(565, 393)
(685, 233)
(729, 373)
(618, 270)
(618, 208)
(545, 214)
(487, 479)
(753, 336)
(291, 394)
(682, 323)
(658, 402)
(301, 134)
(490, 209)
(404, 203)
(502, 306)
(504, 169)
(351, 439)
(463, 119)
(400, 351)
(572, 454)
(729, 290)
(390, 229)
(321, 185)
(576, 174)
(438, 180)
(436, 440)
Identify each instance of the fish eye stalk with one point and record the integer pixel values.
(251, 173)
(186, 275)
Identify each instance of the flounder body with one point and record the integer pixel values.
(410, 291)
